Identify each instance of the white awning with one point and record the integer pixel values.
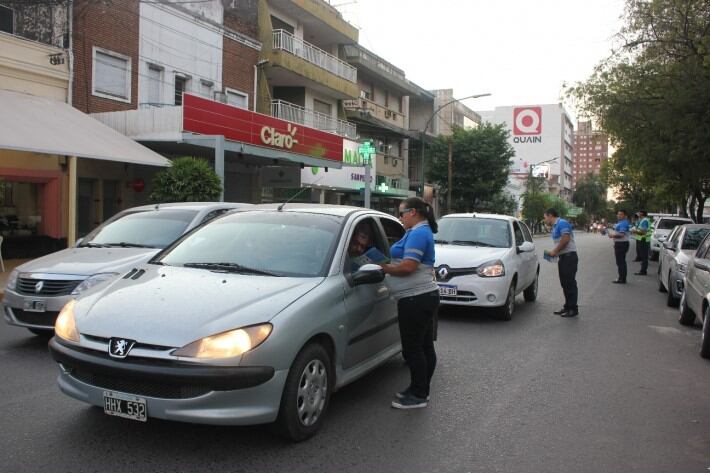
(41, 125)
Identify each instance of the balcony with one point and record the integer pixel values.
(285, 41)
(310, 118)
(364, 108)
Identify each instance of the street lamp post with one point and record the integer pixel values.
(423, 136)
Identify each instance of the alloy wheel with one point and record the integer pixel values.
(312, 392)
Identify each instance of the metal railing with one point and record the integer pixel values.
(320, 121)
(287, 42)
(364, 105)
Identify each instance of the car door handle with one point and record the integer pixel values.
(383, 291)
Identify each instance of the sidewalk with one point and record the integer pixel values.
(10, 264)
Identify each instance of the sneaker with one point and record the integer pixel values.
(409, 402)
(405, 393)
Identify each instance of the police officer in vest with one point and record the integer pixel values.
(566, 251)
(642, 235)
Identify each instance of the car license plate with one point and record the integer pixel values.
(34, 306)
(125, 405)
(446, 290)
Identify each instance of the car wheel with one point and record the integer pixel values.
(671, 299)
(705, 335)
(687, 317)
(530, 292)
(506, 312)
(661, 287)
(42, 333)
(306, 394)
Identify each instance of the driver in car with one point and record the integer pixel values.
(360, 242)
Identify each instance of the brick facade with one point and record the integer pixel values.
(113, 26)
(238, 60)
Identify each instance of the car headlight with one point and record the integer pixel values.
(12, 279)
(682, 268)
(65, 326)
(227, 344)
(92, 281)
(492, 269)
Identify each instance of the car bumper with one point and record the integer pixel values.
(475, 291)
(14, 313)
(219, 395)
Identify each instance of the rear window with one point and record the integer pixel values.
(669, 223)
(151, 228)
(693, 237)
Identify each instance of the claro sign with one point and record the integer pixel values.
(527, 125)
(207, 117)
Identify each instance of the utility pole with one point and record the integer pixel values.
(451, 145)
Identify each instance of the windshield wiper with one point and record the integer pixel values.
(124, 244)
(472, 243)
(229, 268)
(441, 242)
(93, 245)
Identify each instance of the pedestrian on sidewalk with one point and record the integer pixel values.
(642, 235)
(620, 235)
(566, 251)
(412, 284)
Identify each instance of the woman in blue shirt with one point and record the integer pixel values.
(412, 283)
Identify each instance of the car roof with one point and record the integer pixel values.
(325, 209)
(481, 215)
(191, 206)
(685, 219)
(693, 226)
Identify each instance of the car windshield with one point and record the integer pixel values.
(143, 229)
(474, 231)
(262, 243)
(669, 223)
(693, 237)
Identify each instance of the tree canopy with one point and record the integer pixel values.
(187, 180)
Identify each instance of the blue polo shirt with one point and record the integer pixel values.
(417, 244)
(563, 227)
(623, 227)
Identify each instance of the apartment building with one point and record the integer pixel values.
(452, 114)
(591, 149)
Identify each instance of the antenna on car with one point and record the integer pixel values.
(281, 207)
(157, 206)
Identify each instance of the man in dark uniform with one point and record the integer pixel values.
(566, 251)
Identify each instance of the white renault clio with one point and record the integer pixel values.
(485, 260)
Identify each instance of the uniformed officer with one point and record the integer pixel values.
(642, 235)
(620, 235)
(566, 251)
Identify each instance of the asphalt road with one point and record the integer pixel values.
(619, 389)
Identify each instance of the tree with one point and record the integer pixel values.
(481, 161)
(590, 194)
(502, 203)
(537, 199)
(187, 180)
(652, 96)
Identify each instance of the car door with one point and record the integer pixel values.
(670, 250)
(371, 311)
(697, 282)
(525, 260)
(529, 238)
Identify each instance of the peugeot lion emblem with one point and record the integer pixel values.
(119, 347)
(38, 287)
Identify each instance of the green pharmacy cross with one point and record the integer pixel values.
(366, 152)
(383, 187)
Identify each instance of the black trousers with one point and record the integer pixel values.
(567, 268)
(638, 250)
(416, 329)
(620, 250)
(643, 248)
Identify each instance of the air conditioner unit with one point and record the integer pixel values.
(363, 94)
(395, 162)
(220, 97)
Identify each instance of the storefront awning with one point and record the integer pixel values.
(41, 125)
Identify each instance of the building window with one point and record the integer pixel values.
(206, 88)
(181, 86)
(111, 75)
(322, 107)
(236, 98)
(155, 80)
(7, 20)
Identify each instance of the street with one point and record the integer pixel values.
(621, 388)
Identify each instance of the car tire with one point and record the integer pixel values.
(530, 293)
(46, 334)
(705, 335)
(671, 299)
(306, 394)
(687, 317)
(505, 312)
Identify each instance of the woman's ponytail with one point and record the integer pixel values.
(424, 209)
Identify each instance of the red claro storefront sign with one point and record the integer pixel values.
(208, 117)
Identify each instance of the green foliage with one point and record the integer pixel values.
(187, 180)
(481, 160)
(590, 194)
(501, 203)
(652, 96)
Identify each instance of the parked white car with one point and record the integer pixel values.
(37, 290)
(695, 301)
(662, 228)
(673, 261)
(485, 260)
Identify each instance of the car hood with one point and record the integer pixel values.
(88, 261)
(455, 256)
(173, 306)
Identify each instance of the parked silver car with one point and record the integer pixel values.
(673, 261)
(256, 317)
(695, 301)
(662, 227)
(485, 260)
(37, 290)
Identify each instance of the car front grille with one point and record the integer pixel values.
(49, 287)
(45, 319)
(139, 387)
(462, 296)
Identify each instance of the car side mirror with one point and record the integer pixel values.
(367, 274)
(78, 241)
(526, 247)
(662, 239)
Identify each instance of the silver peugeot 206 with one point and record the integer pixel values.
(256, 317)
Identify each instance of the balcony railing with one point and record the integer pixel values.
(320, 121)
(375, 110)
(287, 42)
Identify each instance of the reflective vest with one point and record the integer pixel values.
(649, 231)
